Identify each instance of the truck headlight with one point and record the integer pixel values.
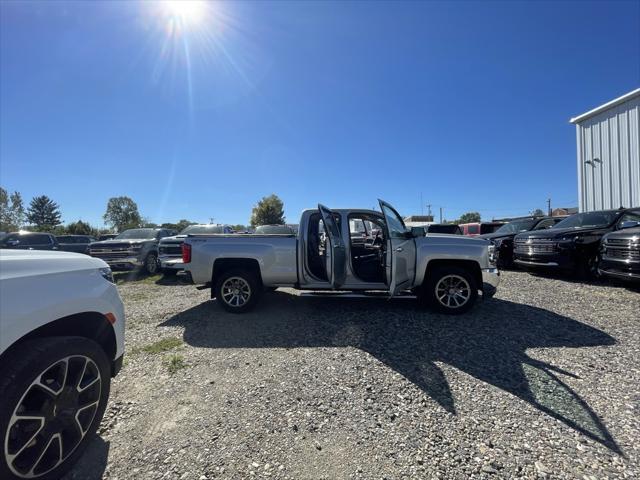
(107, 274)
(491, 250)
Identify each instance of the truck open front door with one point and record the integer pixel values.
(401, 251)
(335, 252)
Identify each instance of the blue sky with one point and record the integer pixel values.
(464, 103)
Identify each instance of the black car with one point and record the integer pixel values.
(620, 253)
(450, 228)
(503, 237)
(75, 243)
(29, 241)
(572, 245)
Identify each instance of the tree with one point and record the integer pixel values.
(122, 213)
(538, 212)
(268, 211)
(44, 213)
(11, 211)
(239, 227)
(80, 228)
(469, 217)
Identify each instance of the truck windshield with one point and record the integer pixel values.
(195, 229)
(138, 234)
(586, 220)
(517, 226)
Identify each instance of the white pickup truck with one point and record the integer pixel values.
(61, 341)
(345, 250)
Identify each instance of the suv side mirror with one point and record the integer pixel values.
(629, 224)
(13, 243)
(418, 232)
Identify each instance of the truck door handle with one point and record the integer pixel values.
(399, 249)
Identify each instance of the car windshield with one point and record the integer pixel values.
(138, 234)
(586, 220)
(192, 229)
(517, 226)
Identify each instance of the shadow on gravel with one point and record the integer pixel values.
(489, 344)
(92, 463)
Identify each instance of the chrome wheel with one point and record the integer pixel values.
(236, 291)
(453, 291)
(53, 416)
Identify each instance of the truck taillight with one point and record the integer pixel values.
(186, 253)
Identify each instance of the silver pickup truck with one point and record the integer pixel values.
(345, 250)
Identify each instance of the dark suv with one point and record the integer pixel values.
(572, 244)
(132, 249)
(503, 237)
(620, 253)
(29, 241)
(75, 243)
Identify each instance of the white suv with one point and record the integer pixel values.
(61, 341)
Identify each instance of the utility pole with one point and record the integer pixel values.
(421, 205)
(210, 219)
(429, 209)
(549, 206)
(440, 214)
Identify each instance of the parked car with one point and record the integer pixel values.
(479, 228)
(445, 271)
(29, 241)
(448, 228)
(132, 249)
(274, 230)
(503, 237)
(572, 245)
(107, 236)
(75, 243)
(61, 341)
(620, 253)
(170, 248)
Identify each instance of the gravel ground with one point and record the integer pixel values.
(540, 382)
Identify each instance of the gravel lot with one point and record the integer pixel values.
(541, 381)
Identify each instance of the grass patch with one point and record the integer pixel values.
(175, 363)
(160, 346)
(135, 276)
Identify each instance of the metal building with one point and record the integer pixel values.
(608, 139)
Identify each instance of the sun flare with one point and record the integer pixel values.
(186, 11)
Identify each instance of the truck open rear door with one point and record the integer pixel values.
(336, 260)
(401, 250)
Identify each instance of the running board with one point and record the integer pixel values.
(348, 294)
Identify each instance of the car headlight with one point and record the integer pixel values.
(107, 274)
(135, 246)
(491, 250)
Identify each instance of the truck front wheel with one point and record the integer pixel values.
(450, 290)
(237, 291)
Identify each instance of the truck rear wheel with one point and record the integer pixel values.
(450, 290)
(237, 291)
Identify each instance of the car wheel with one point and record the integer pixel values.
(54, 393)
(151, 264)
(591, 267)
(450, 290)
(238, 291)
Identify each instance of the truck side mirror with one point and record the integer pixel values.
(418, 232)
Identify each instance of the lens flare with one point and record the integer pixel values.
(186, 11)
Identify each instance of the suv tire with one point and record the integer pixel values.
(151, 264)
(450, 290)
(237, 290)
(44, 376)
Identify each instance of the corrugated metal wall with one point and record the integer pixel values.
(609, 158)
